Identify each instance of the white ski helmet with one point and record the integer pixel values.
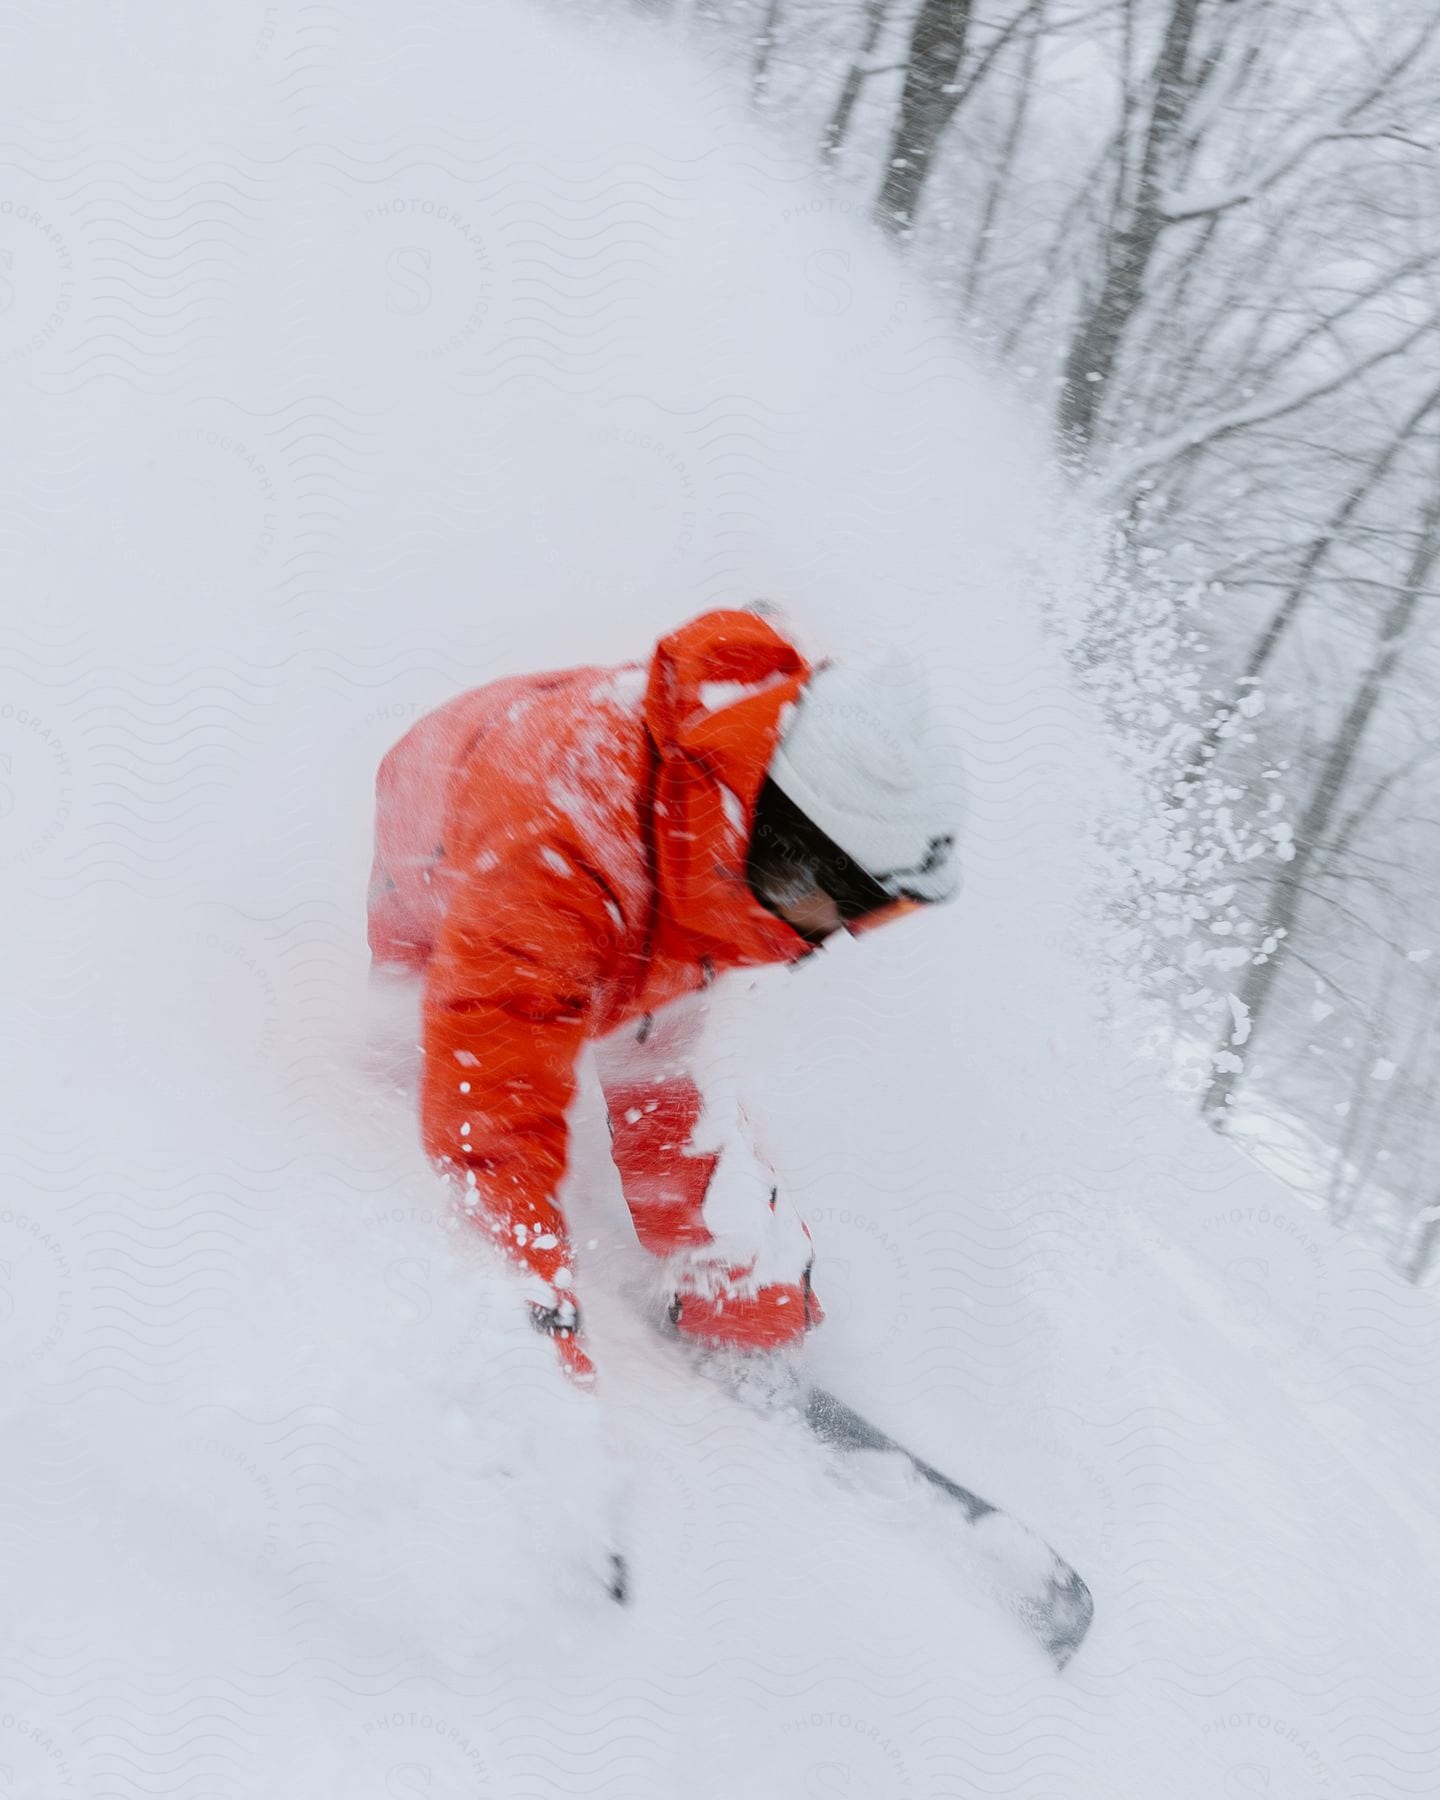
(862, 760)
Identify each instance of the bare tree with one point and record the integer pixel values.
(1301, 586)
(927, 104)
(1170, 115)
(1103, 322)
(1413, 1074)
(1356, 1121)
(1329, 786)
(1005, 163)
(762, 50)
(856, 76)
(1426, 1243)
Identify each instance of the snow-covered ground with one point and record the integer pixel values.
(347, 360)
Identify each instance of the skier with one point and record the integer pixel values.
(579, 856)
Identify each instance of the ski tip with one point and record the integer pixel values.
(1066, 1614)
(618, 1582)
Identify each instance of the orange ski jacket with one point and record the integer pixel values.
(562, 853)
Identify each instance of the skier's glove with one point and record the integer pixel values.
(560, 1322)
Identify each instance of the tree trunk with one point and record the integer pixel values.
(1319, 814)
(764, 45)
(1102, 326)
(1340, 1200)
(1424, 1250)
(927, 103)
(1052, 267)
(1005, 164)
(1402, 1086)
(839, 124)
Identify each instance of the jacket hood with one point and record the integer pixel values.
(716, 704)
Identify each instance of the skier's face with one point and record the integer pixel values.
(813, 914)
(816, 917)
(883, 915)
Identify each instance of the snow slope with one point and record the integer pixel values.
(349, 358)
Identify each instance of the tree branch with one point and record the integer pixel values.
(1177, 210)
(1246, 418)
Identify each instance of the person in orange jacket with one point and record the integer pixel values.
(579, 856)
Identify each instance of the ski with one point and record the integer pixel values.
(1047, 1595)
(1030, 1579)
